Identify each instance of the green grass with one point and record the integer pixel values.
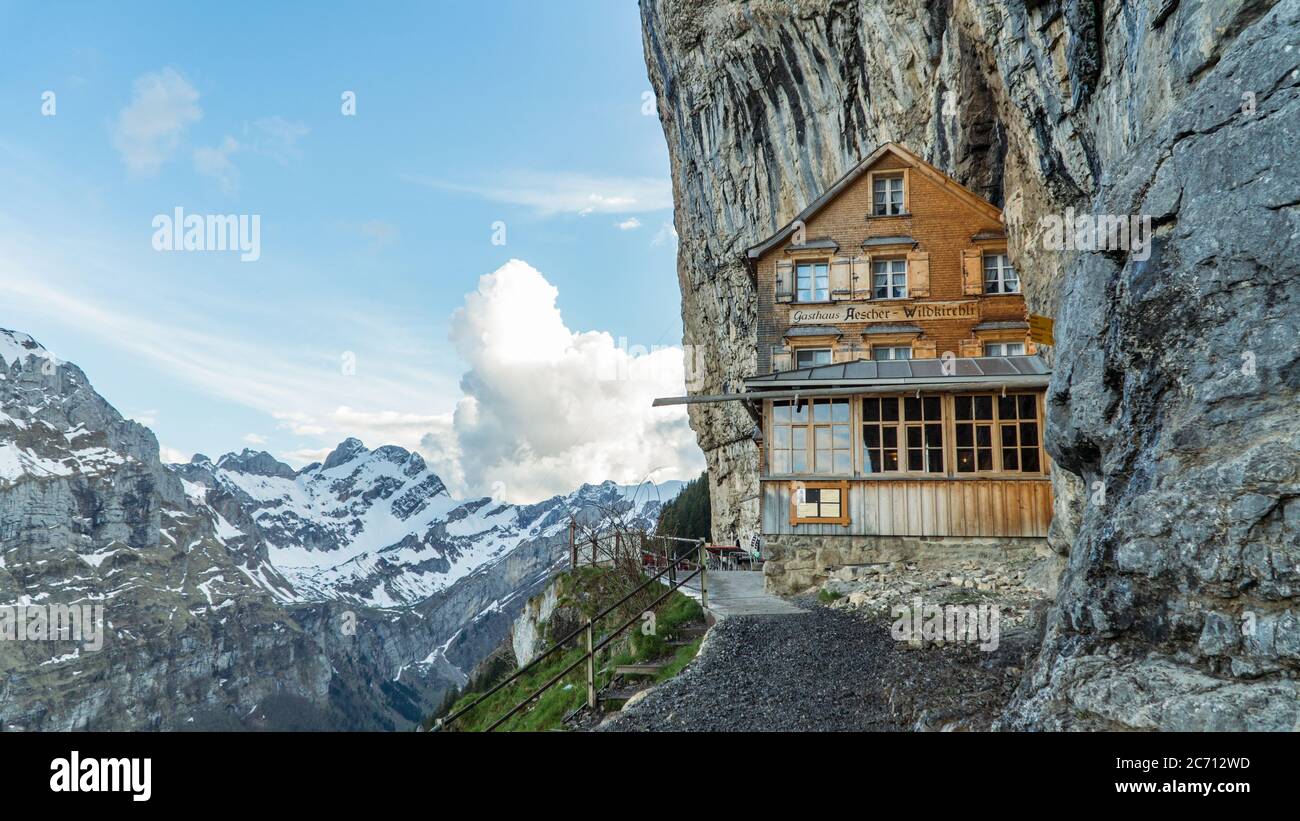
(828, 596)
(587, 590)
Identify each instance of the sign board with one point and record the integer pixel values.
(1041, 329)
(883, 312)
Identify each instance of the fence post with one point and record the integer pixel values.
(704, 575)
(595, 545)
(591, 667)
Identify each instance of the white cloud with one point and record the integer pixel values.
(172, 456)
(215, 162)
(570, 193)
(254, 439)
(148, 418)
(547, 408)
(667, 233)
(148, 130)
(628, 224)
(304, 456)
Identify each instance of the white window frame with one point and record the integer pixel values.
(894, 200)
(830, 357)
(892, 273)
(813, 264)
(1001, 348)
(1003, 274)
(893, 353)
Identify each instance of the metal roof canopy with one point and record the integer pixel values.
(893, 376)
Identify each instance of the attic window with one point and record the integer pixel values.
(888, 195)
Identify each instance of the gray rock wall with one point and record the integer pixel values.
(1176, 376)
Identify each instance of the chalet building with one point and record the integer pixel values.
(898, 400)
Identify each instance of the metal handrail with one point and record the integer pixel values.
(446, 720)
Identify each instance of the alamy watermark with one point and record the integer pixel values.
(54, 622)
(950, 623)
(179, 231)
(1098, 232)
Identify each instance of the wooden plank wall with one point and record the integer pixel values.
(964, 507)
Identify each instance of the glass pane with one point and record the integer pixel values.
(1015, 349)
(781, 412)
(983, 436)
(936, 460)
(1029, 458)
(781, 436)
(822, 411)
(840, 410)
(830, 494)
(871, 461)
(800, 412)
(1029, 433)
(889, 409)
(965, 460)
(822, 438)
(781, 461)
(914, 460)
(840, 437)
(933, 435)
(800, 464)
(1009, 461)
(871, 436)
(891, 437)
(1006, 407)
(871, 409)
(902, 353)
(985, 459)
(983, 407)
(823, 461)
(891, 460)
(932, 405)
(1027, 406)
(843, 462)
(912, 409)
(1009, 436)
(830, 511)
(800, 438)
(964, 404)
(965, 438)
(914, 437)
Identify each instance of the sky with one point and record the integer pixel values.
(463, 223)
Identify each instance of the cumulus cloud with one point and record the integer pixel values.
(546, 408)
(148, 130)
(628, 224)
(665, 235)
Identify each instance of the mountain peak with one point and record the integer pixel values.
(347, 450)
(255, 462)
(15, 346)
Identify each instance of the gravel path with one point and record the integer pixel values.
(826, 670)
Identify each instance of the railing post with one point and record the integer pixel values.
(704, 575)
(591, 667)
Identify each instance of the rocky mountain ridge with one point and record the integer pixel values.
(242, 593)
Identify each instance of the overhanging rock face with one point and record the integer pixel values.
(1176, 376)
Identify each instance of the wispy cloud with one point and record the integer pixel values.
(667, 234)
(273, 137)
(254, 439)
(215, 162)
(559, 193)
(149, 129)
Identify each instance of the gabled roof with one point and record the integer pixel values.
(1010, 370)
(830, 194)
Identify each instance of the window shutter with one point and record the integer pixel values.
(782, 360)
(971, 347)
(924, 349)
(861, 285)
(784, 280)
(841, 278)
(918, 274)
(972, 271)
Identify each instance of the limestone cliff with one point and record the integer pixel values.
(1172, 410)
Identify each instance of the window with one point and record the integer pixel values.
(825, 502)
(811, 357)
(999, 276)
(884, 353)
(812, 439)
(1004, 349)
(889, 278)
(880, 434)
(923, 418)
(888, 195)
(812, 282)
(1018, 432)
(1015, 417)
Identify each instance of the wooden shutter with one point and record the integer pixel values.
(972, 271)
(782, 360)
(784, 280)
(841, 278)
(971, 347)
(918, 274)
(924, 349)
(861, 285)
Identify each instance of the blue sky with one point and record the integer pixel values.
(374, 228)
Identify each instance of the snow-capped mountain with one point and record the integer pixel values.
(351, 593)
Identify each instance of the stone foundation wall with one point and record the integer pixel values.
(796, 564)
